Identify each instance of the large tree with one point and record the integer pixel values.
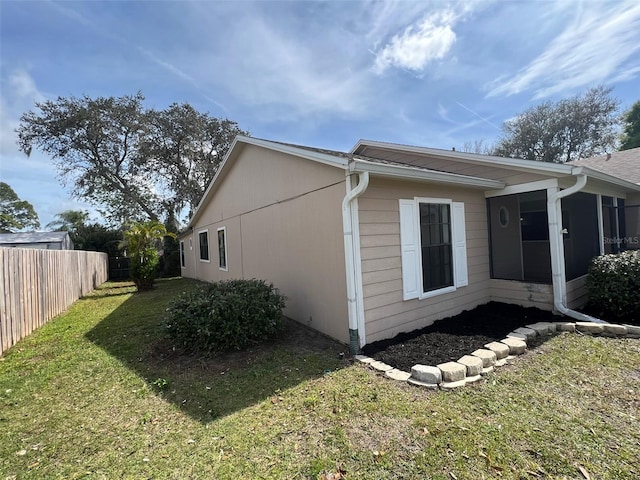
(134, 164)
(15, 214)
(185, 147)
(577, 127)
(631, 128)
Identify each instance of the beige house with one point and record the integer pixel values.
(388, 238)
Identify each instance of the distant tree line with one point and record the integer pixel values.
(578, 127)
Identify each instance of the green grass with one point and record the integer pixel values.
(99, 393)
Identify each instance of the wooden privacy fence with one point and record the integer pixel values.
(37, 285)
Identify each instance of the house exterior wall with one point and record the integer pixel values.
(386, 313)
(283, 223)
(577, 293)
(539, 295)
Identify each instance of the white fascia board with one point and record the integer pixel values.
(605, 177)
(507, 162)
(414, 173)
(522, 188)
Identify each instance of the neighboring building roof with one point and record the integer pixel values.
(624, 164)
(33, 237)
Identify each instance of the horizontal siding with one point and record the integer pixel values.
(379, 216)
(371, 278)
(377, 264)
(380, 228)
(371, 253)
(373, 289)
(386, 313)
(577, 292)
(522, 293)
(415, 318)
(379, 240)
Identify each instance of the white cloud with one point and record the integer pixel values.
(421, 43)
(274, 68)
(17, 97)
(600, 45)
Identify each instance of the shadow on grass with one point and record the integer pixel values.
(209, 387)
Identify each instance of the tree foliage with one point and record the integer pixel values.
(15, 214)
(141, 241)
(87, 235)
(133, 163)
(577, 127)
(185, 148)
(631, 128)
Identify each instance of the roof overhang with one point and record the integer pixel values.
(421, 174)
(626, 185)
(476, 159)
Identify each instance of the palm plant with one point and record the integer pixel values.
(140, 240)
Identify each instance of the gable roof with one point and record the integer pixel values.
(33, 237)
(349, 162)
(624, 164)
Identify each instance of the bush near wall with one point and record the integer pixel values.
(614, 286)
(226, 315)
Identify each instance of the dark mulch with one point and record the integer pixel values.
(451, 338)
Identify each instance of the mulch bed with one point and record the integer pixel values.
(451, 338)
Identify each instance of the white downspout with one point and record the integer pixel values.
(556, 248)
(347, 229)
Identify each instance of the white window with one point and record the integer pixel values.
(203, 240)
(182, 262)
(434, 247)
(222, 248)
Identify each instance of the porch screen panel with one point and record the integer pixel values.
(581, 240)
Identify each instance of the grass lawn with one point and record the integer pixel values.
(99, 393)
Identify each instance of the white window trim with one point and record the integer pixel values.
(183, 258)
(460, 278)
(206, 230)
(226, 253)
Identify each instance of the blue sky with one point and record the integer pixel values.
(323, 74)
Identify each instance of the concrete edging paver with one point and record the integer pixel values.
(470, 368)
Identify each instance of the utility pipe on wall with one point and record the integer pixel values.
(349, 257)
(556, 248)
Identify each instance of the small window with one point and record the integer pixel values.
(182, 262)
(222, 248)
(203, 238)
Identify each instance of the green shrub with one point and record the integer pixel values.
(227, 315)
(614, 286)
(144, 268)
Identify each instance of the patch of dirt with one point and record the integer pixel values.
(451, 338)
